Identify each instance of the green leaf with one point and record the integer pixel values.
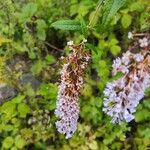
(115, 50)
(27, 133)
(9, 109)
(113, 42)
(142, 115)
(87, 90)
(84, 27)
(37, 67)
(4, 40)
(23, 109)
(91, 47)
(67, 25)
(146, 132)
(41, 32)
(18, 99)
(6, 127)
(8, 142)
(126, 20)
(50, 59)
(49, 91)
(28, 11)
(14, 148)
(29, 90)
(93, 145)
(32, 54)
(137, 6)
(146, 103)
(15, 122)
(111, 7)
(144, 23)
(19, 142)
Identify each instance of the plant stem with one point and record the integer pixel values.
(52, 46)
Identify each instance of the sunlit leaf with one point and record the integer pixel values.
(4, 40)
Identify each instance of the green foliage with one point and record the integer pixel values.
(30, 41)
(23, 110)
(110, 9)
(126, 20)
(67, 25)
(2, 69)
(41, 26)
(4, 40)
(8, 142)
(19, 142)
(27, 12)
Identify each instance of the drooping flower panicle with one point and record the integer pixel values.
(72, 73)
(123, 95)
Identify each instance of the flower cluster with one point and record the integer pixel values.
(67, 106)
(124, 94)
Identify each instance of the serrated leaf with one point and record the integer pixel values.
(84, 27)
(111, 7)
(67, 25)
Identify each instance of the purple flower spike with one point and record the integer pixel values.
(72, 73)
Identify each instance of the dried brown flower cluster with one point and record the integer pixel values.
(72, 74)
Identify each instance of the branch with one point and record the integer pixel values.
(52, 46)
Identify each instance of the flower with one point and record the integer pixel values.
(130, 35)
(84, 40)
(124, 94)
(69, 43)
(119, 65)
(72, 73)
(138, 57)
(143, 42)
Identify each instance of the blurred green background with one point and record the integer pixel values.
(30, 51)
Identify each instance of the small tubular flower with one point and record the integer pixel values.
(72, 73)
(143, 42)
(130, 35)
(124, 94)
